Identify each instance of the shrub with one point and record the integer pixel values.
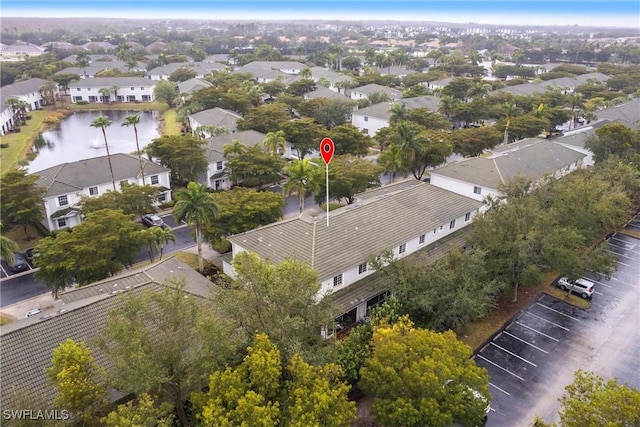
(4, 145)
(82, 102)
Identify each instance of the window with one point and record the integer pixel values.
(88, 89)
(131, 98)
(435, 231)
(77, 98)
(146, 98)
(402, 248)
(141, 88)
(362, 268)
(467, 216)
(421, 239)
(337, 280)
(63, 200)
(154, 180)
(133, 88)
(162, 197)
(365, 131)
(79, 90)
(366, 119)
(93, 191)
(452, 224)
(219, 166)
(62, 222)
(477, 190)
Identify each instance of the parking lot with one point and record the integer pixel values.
(534, 357)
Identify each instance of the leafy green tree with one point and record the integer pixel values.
(131, 199)
(273, 87)
(78, 380)
(416, 374)
(7, 249)
(165, 91)
(527, 126)
(333, 113)
(281, 299)
(302, 180)
(21, 201)
(164, 342)
(351, 63)
(198, 207)
(265, 118)
(473, 141)
(261, 391)
(255, 167)
(348, 176)
(182, 74)
(304, 135)
(302, 87)
(448, 294)
(184, 155)
(421, 148)
(141, 413)
(83, 60)
(348, 139)
(614, 139)
(428, 119)
(243, 209)
(103, 122)
(591, 401)
(74, 257)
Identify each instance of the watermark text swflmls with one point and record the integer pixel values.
(33, 414)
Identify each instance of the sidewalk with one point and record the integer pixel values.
(19, 310)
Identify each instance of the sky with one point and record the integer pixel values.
(617, 13)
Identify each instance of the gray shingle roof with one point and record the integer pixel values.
(373, 87)
(359, 230)
(381, 110)
(201, 68)
(628, 114)
(217, 117)
(27, 344)
(193, 85)
(262, 66)
(18, 89)
(69, 177)
(531, 158)
(217, 143)
(323, 92)
(333, 77)
(560, 83)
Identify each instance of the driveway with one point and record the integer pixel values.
(533, 358)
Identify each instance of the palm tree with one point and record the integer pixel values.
(509, 111)
(7, 248)
(196, 206)
(274, 141)
(392, 160)
(399, 112)
(448, 105)
(133, 120)
(234, 148)
(305, 73)
(575, 102)
(103, 123)
(83, 60)
(160, 236)
(301, 180)
(48, 90)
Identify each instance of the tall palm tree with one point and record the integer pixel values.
(196, 206)
(392, 161)
(103, 122)
(301, 180)
(133, 120)
(448, 105)
(510, 111)
(275, 140)
(234, 148)
(160, 236)
(83, 60)
(576, 103)
(399, 112)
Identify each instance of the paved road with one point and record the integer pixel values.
(25, 286)
(533, 358)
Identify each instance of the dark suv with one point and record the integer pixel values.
(19, 264)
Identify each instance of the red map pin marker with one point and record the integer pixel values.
(327, 148)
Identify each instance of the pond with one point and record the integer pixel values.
(75, 139)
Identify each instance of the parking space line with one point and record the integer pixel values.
(526, 342)
(598, 293)
(624, 246)
(535, 330)
(498, 366)
(495, 386)
(624, 256)
(513, 354)
(548, 321)
(559, 312)
(597, 282)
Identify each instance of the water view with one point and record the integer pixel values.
(75, 138)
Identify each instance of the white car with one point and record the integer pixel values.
(33, 312)
(582, 287)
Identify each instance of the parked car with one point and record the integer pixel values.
(31, 254)
(19, 264)
(153, 220)
(33, 312)
(582, 287)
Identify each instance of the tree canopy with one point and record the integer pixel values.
(417, 375)
(264, 391)
(131, 199)
(21, 201)
(184, 155)
(348, 176)
(304, 135)
(265, 118)
(255, 167)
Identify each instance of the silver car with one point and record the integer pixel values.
(582, 287)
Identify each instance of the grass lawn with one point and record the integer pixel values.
(16, 233)
(20, 142)
(190, 259)
(132, 106)
(5, 319)
(170, 125)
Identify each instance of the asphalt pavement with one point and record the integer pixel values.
(533, 358)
